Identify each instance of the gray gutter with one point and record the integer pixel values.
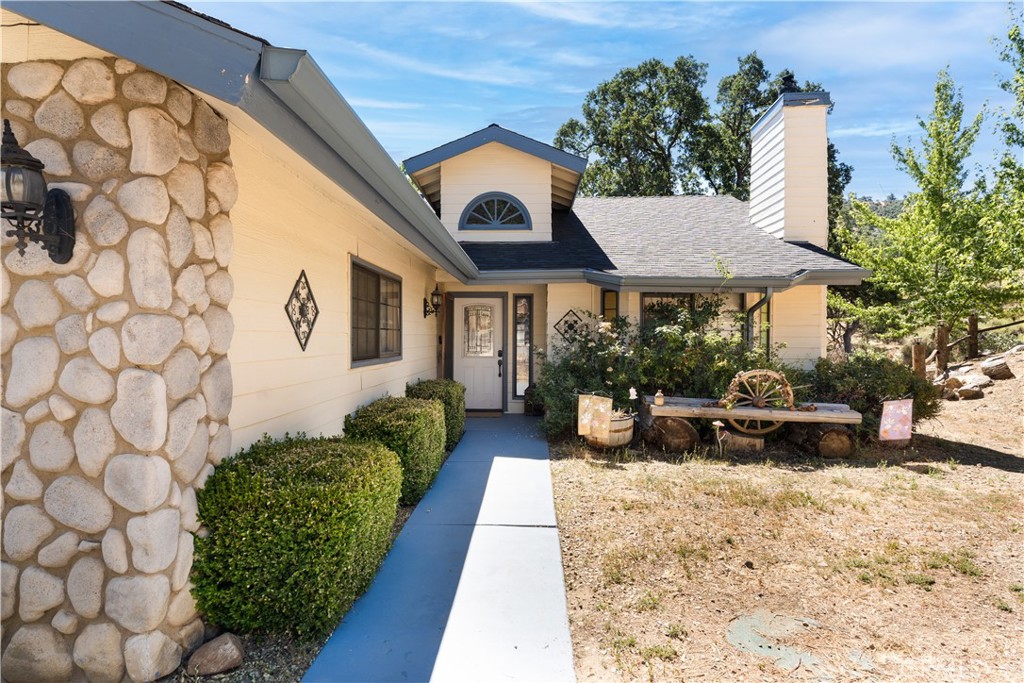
(297, 104)
(646, 284)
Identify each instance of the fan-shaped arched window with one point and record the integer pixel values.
(495, 211)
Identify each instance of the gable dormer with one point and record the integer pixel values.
(497, 186)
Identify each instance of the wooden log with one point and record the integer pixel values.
(736, 441)
(942, 347)
(996, 368)
(674, 434)
(918, 358)
(972, 336)
(824, 440)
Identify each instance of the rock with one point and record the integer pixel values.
(37, 412)
(202, 241)
(19, 108)
(113, 312)
(124, 66)
(182, 561)
(64, 621)
(189, 463)
(182, 425)
(61, 116)
(61, 408)
(223, 653)
(25, 527)
(200, 481)
(189, 510)
(39, 591)
(217, 389)
(50, 450)
(24, 484)
(110, 124)
(183, 607)
(52, 154)
(996, 367)
(8, 333)
(104, 222)
(36, 260)
(83, 379)
(94, 441)
(59, 552)
(36, 654)
(181, 374)
(96, 162)
(36, 304)
(969, 393)
(106, 348)
(155, 149)
(71, 334)
(149, 339)
(221, 327)
(107, 274)
(154, 539)
(191, 635)
(221, 287)
(220, 179)
(12, 437)
(220, 446)
(188, 149)
(223, 239)
(146, 200)
(138, 483)
(76, 292)
(179, 104)
(9, 575)
(34, 80)
(98, 653)
(148, 272)
(115, 551)
(179, 237)
(191, 284)
(88, 546)
(197, 336)
(85, 586)
(186, 186)
(210, 130)
(74, 502)
(138, 603)
(89, 81)
(33, 370)
(151, 656)
(146, 87)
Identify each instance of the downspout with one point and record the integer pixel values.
(748, 328)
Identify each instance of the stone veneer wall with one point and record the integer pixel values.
(117, 387)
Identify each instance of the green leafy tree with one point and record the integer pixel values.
(940, 259)
(639, 128)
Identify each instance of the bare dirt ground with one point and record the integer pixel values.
(897, 565)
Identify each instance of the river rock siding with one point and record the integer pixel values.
(116, 381)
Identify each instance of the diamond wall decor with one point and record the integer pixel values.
(302, 310)
(569, 325)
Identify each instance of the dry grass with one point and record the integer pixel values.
(915, 562)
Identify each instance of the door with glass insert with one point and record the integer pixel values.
(478, 353)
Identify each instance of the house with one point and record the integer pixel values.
(249, 260)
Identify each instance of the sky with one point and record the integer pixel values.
(421, 74)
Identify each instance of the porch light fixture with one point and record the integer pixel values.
(37, 215)
(434, 305)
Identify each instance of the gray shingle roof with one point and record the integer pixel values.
(679, 236)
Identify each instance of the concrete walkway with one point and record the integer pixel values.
(472, 589)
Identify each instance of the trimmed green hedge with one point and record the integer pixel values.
(453, 395)
(297, 529)
(411, 427)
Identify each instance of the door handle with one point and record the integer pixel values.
(500, 362)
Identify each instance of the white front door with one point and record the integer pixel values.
(478, 351)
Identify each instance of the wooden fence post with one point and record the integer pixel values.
(972, 336)
(918, 362)
(941, 347)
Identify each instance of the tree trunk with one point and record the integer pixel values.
(673, 434)
(942, 347)
(825, 440)
(996, 368)
(918, 361)
(848, 333)
(972, 336)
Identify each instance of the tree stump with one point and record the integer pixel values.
(674, 434)
(996, 368)
(825, 440)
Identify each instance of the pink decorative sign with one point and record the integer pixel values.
(896, 420)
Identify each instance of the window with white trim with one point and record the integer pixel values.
(495, 211)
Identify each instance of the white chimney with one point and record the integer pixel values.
(789, 168)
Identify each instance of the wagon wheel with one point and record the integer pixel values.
(759, 389)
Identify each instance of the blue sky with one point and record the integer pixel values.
(423, 73)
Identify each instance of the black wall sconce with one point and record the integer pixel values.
(37, 215)
(434, 305)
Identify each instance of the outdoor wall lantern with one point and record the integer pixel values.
(37, 215)
(434, 305)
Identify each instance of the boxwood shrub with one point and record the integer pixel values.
(453, 395)
(411, 427)
(297, 529)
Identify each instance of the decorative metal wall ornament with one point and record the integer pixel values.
(569, 325)
(302, 310)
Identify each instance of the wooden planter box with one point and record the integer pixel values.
(620, 434)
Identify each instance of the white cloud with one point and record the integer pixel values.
(572, 58)
(877, 129)
(370, 103)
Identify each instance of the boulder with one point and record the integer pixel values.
(223, 653)
(37, 653)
